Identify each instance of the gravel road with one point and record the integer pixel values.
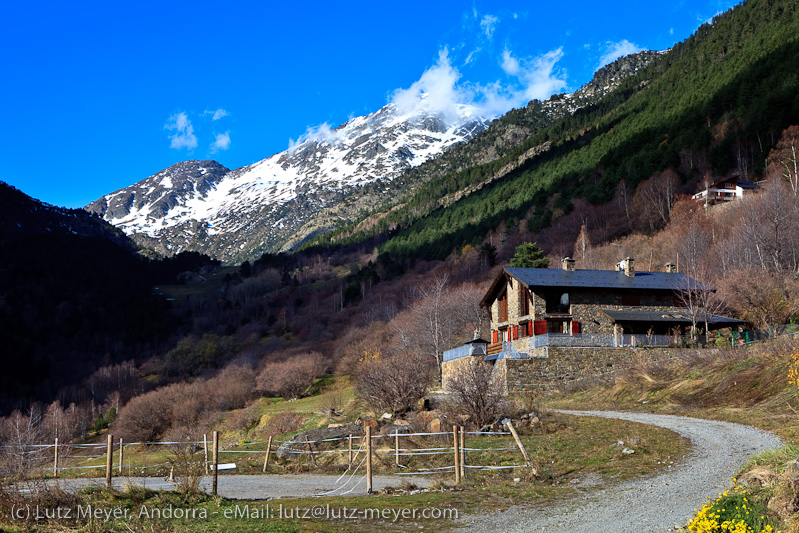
(650, 504)
(261, 487)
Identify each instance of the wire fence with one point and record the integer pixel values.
(66, 459)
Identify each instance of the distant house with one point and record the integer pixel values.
(726, 190)
(567, 323)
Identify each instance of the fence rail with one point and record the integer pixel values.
(66, 459)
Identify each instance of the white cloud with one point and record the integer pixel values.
(221, 142)
(440, 91)
(184, 132)
(219, 113)
(509, 63)
(321, 133)
(471, 56)
(488, 24)
(536, 78)
(437, 91)
(613, 51)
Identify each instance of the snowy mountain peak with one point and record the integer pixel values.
(257, 208)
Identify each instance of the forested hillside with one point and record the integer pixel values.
(713, 105)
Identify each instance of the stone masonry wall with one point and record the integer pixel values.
(561, 366)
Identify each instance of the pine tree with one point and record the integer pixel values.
(529, 255)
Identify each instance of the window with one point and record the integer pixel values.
(503, 307)
(558, 303)
(558, 327)
(524, 301)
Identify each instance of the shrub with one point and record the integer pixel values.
(233, 387)
(475, 393)
(394, 382)
(290, 378)
(144, 417)
(284, 422)
(732, 511)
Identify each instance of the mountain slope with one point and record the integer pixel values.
(23, 217)
(240, 214)
(715, 103)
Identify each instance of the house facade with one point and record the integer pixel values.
(726, 190)
(592, 307)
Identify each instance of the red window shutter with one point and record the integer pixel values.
(494, 336)
(515, 332)
(540, 327)
(575, 327)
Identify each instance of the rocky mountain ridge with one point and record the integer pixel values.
(332, 176)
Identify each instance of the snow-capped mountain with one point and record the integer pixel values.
(240, 214)
(329, 176)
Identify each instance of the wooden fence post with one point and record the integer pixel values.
(108, 456)
(456, 440)
(396, 448)
(268, 449)
(205, 447)
(121, 455)
(463, 452)
(350, 449)
(216, 462)
(368, 459)
(55, 459)
(521, 447)
(310, 452)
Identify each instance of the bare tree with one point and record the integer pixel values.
(393, 382)
(783, 161)
(475, 393)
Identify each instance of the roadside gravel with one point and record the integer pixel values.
(651, 504)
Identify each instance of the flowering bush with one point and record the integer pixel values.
(732, 512)
(793, 371)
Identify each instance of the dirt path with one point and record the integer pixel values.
(653, 503)
(261, 487)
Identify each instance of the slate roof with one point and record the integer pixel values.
(605, 279)
(678, 317)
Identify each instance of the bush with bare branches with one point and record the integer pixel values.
(474, 393)
(284, 422)
(232, 387)
(290, 378)
(394, 382)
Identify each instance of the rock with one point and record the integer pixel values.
(401, 422)
(386, 416)
(423, 405)
(620, 443)
(628, 451)
(574, 481)
(336, 425)
(434, 426)
(635, 442)
(370, 422)
(395, 428)
(534, 421)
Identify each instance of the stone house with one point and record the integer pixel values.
(589, 304)
(568, 323)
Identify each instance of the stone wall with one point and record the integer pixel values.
(449, 369)
(554, 366)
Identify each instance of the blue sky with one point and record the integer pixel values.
(101, 95)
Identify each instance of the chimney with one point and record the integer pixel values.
(568, 264)
(627, 266)
(671, 267)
